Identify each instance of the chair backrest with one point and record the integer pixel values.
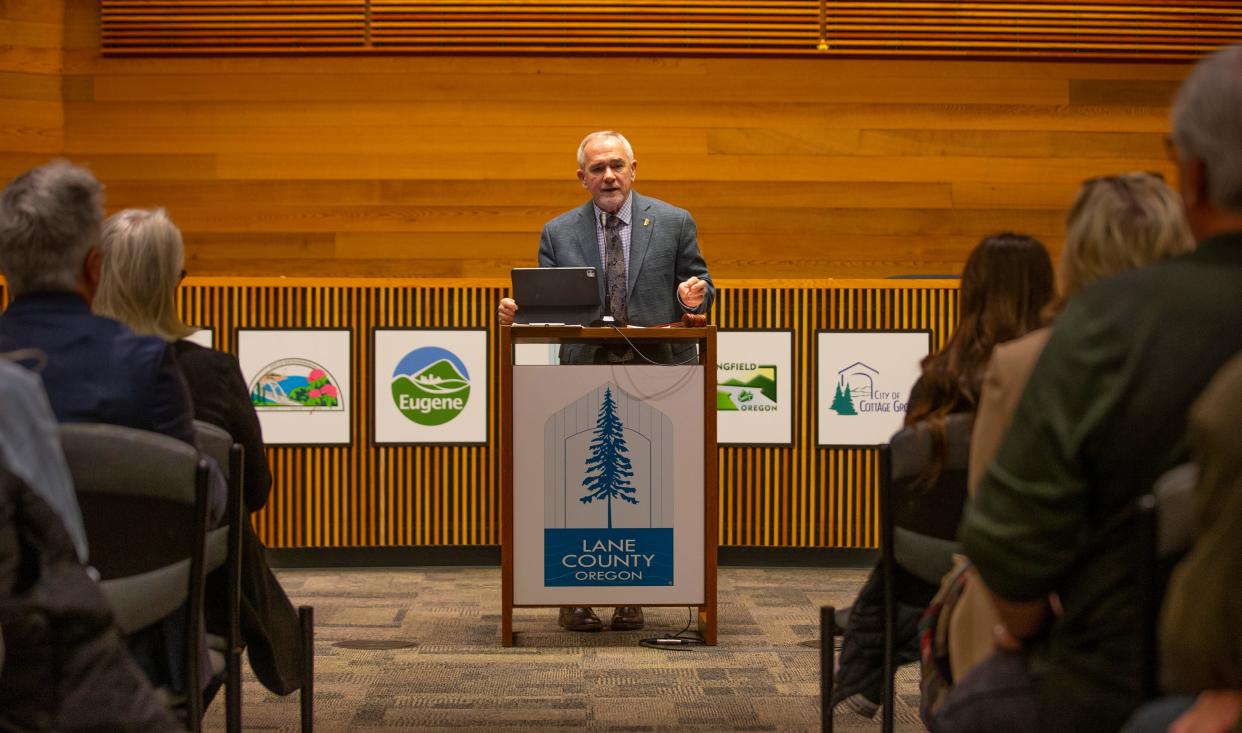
(132, 484)
(924, 517)
(144, 505)
(1166, 533)
(1174, 497)
(215, 442)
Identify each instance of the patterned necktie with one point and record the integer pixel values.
(614, 269)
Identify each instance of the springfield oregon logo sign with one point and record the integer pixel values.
(295, 384)
(610, 490)
(856, 393)
(745, 387)
(430, 386)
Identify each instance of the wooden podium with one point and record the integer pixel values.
(560, 425)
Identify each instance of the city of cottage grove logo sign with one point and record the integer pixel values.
(295, 384)
(856, 393)
(614, 491)
(430, 386)
(744, 387)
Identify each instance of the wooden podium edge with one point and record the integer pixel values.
(506, 486)
(711, 531)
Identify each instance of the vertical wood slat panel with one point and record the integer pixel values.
(806, 496)
(374, 496)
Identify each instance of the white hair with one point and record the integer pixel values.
(629, 151)
(49, 220)
(1207, 124)
(142, 259)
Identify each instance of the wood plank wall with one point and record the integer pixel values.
(447, 166)
(32, 121)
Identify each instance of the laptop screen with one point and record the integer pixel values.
(567, 295)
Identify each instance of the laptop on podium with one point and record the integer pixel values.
(560, 295)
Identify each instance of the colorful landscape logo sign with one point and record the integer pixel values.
(430, 385)
(856, 393)
(295, 384)
(746, 387)
(605, 554)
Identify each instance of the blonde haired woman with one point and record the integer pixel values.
(143, 264)
(1116, 223)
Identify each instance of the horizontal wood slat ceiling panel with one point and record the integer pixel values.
(212, 26)
(655, 25)
(1151, 30)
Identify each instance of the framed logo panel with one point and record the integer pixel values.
(430, 386)
(863, 383)
(299, 382)
(754, 388)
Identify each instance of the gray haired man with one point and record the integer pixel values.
(648, 251)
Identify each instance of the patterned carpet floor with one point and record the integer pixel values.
(455, 676)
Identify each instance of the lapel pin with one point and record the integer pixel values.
(646, 222)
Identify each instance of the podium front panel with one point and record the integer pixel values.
(608, 485)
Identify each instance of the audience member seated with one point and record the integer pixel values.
(94, 369)
(1116, 223)
(1102, 417)
(65, 667)
(30, 446)
(1200, 649)
(1006, 284)
(143, 260)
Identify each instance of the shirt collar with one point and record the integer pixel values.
(58, 300)
(623, 213)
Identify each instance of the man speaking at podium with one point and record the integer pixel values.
(648, 253)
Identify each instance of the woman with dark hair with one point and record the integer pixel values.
(143, 257)
(1006, 284)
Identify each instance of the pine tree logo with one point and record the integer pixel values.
(607, 467)
(855, 382)
(843, 400)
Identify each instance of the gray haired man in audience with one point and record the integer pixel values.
(1103, 416)
(94, 369)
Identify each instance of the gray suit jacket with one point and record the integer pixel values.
(664, 251)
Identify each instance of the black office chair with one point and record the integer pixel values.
(923, 543)
(224, 548)
(225, 544)
(1166, 533)
(144, 506)
(827, 664)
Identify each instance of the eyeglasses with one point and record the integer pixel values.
(1123, 177)
(1121, 183)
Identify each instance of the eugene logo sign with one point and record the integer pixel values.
(430, 386)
